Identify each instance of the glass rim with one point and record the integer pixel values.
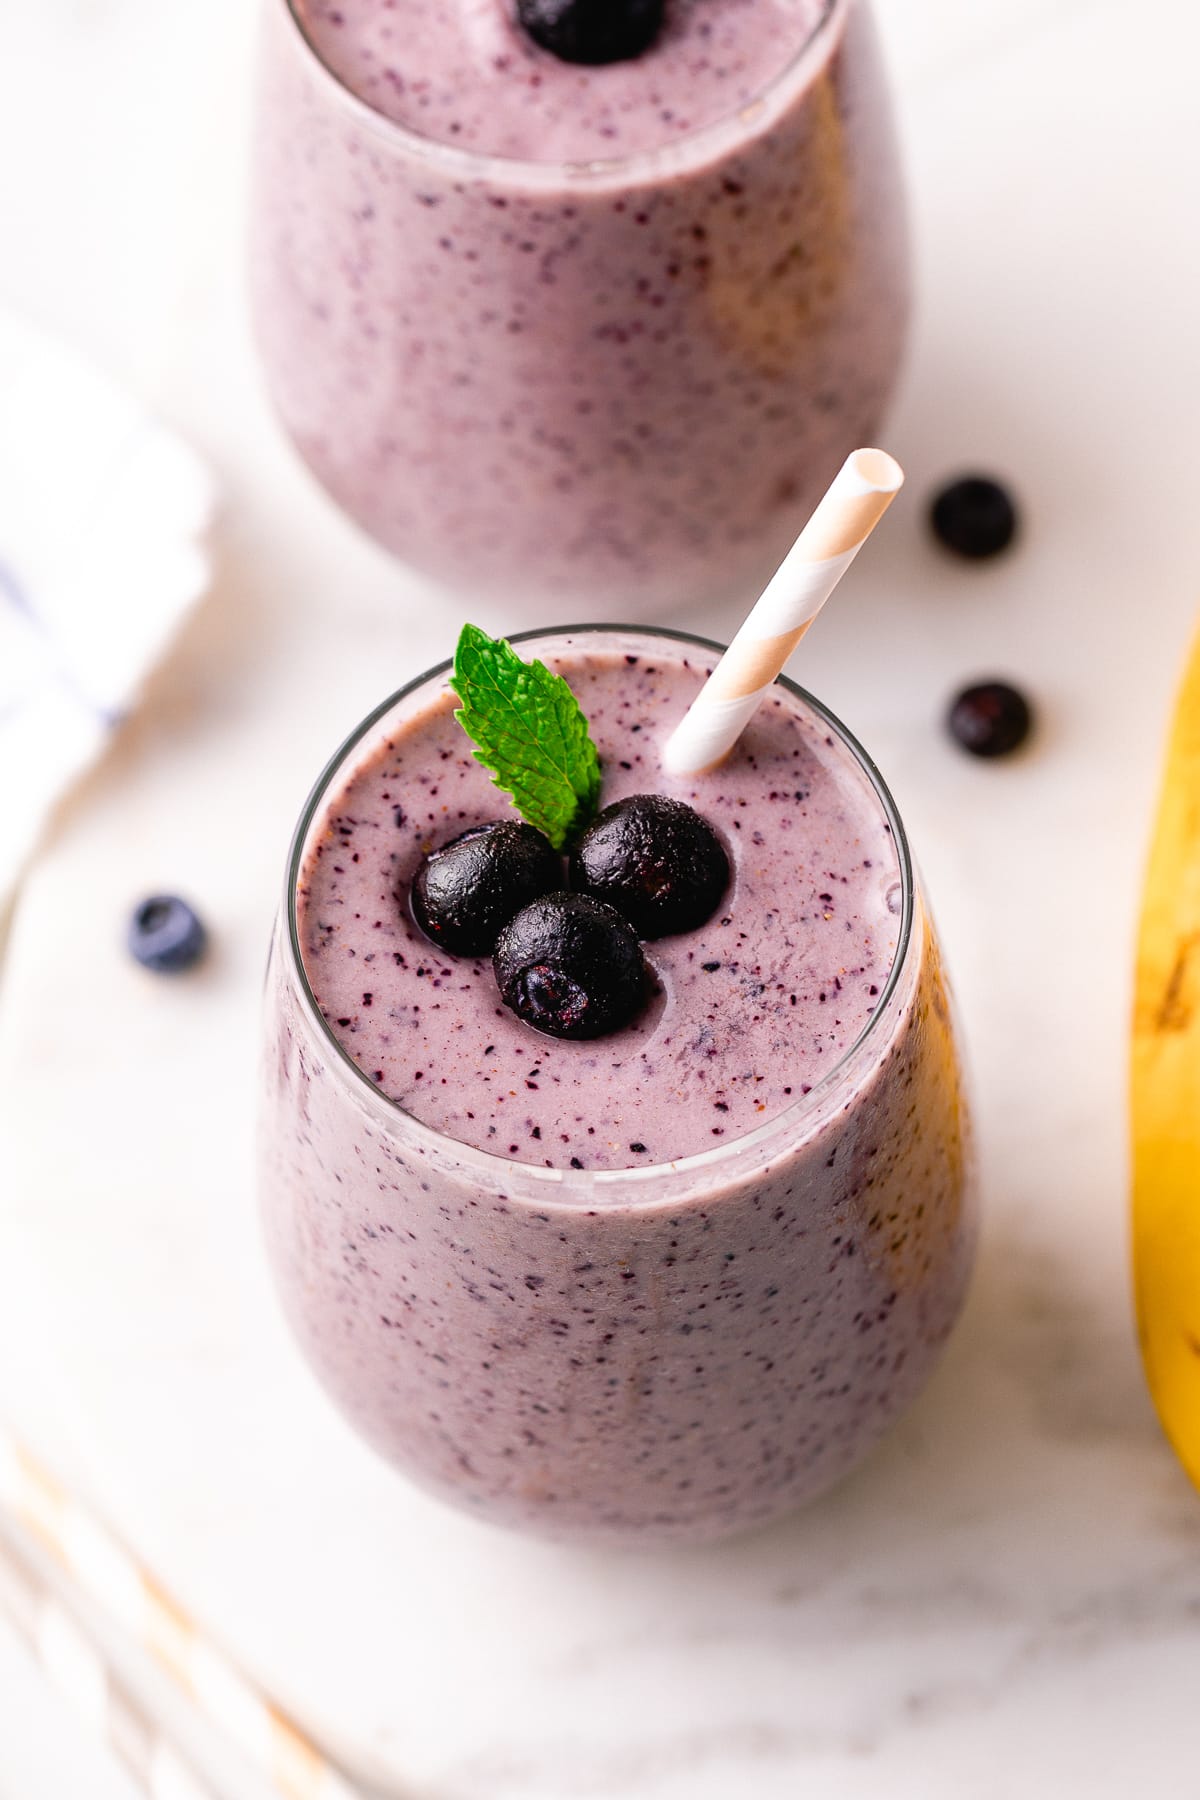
(675, 153)
(571, 1183)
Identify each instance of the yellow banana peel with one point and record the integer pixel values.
(1165, 1091)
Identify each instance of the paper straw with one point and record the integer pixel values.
(130, 1597)
(78, 1670)
(861, 492)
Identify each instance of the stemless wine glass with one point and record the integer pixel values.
(616, 385)
(675, 1351)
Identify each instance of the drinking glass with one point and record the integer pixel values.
(605, 388)
(672, 1352)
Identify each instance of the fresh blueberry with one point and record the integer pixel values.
(166, 935)
(570, 966)
(974, 516)
(592, 31)
(466, 890)
(990, 718)
(656, 860)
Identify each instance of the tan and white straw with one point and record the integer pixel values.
(130, 1598)
(857, 499)
(78, 1669)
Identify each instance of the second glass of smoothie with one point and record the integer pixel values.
(557, 331)
(663, 1284)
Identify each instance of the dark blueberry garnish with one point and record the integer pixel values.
(592, 31)
(465, 891)
(974, 516)
(165, 935)
(656, 860)
(570, 966)
(990, 718)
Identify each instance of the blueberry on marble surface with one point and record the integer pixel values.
(592, 31)
(166, 935)
(466, 890)
(974, 516)
(990, 718)
(656, 860)
(570, 966)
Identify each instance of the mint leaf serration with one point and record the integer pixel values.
(530, 732)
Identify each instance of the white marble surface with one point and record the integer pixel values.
(1006, 1599)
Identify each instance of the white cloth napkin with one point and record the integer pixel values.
(103, 514)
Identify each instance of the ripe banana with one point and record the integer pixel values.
(1165, 1091)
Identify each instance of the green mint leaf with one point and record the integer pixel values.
(530, 732)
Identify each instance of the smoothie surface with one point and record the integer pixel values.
(463, 72)
(750, 1011)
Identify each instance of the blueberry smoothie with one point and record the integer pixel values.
(661, 1283)
(568, 329)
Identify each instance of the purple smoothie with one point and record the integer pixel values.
(601, 332)
(663, 1284)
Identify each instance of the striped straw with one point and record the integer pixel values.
(863, 489)
(130, 1597)
(76, 1667)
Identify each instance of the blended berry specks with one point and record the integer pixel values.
(731, 1007)
(659, 1357)
(607, 471)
